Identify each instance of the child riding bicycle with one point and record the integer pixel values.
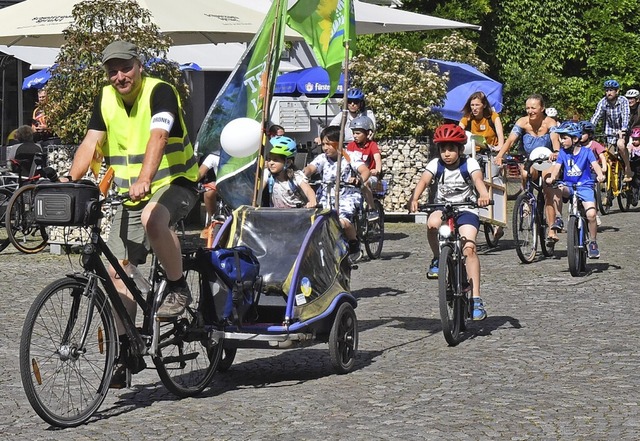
(576, 161)
(457, 177)
(352, 174)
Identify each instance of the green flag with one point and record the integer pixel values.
(325, 25)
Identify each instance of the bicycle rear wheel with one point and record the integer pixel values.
(23, 231)
(187, 360)
(5, 196)
(451, 304)
(65, 381)
(574, 253)
(525, 234)
(374, 236)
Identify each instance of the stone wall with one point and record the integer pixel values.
(403, 161)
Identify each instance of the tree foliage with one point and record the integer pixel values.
(400, 90)
(78, 75)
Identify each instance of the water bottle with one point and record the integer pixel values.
(141, 281)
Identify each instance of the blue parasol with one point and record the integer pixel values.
(310, 81)
(37, 80)
(463, 81)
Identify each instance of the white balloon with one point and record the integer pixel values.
(241, 137)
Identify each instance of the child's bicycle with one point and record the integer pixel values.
(577, 234)
(529, 223)
(454, 287)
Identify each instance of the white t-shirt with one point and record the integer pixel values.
(282, 194)
(451, 185)
(212, 161)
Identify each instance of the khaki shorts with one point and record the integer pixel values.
(127, 238)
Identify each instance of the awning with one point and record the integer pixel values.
(210, 57)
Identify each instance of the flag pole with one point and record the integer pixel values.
(343, 121)
(265, 93)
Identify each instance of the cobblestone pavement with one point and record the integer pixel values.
(557, 358)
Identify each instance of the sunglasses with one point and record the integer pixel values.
(353, 101)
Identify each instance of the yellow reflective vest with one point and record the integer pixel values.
(128, 134)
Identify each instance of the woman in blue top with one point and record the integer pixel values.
(536, 130)
(576, 162)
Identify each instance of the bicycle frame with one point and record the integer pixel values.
(453, 241)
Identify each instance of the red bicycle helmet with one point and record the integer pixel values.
(450, 133)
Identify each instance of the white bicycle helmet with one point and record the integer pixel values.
(632, 93)
(540, 153)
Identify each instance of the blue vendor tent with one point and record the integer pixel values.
(37, 80)
(463, 81)
(308, 81)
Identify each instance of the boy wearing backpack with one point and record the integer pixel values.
(457, 178)
(288, 187)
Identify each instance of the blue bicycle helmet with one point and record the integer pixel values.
(355, 94)
(587, 127)
(570, 128)
(611, 84)
(283, 145)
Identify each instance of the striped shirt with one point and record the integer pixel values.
(615, 116)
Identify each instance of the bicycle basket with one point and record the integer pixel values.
(66, 203)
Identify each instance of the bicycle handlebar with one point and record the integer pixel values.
(449, 205)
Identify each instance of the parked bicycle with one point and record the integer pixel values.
(22, 231)
(529, 223)
(69, 341)
(454, 287)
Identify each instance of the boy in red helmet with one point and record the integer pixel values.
(454, 186)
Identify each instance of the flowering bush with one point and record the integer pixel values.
(78, 76)
(455, 47)
(400, 90)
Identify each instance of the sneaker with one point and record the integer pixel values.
(174, 303)
(433, 269)
(119, 378)
(594, 252)
(558, 225)
(373, 215)
(479, 312)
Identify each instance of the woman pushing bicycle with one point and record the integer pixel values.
(457, 178)
(578, 161)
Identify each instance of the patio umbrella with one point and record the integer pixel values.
(36, 80)
(310, 81)
(375, 19)
(463, 81)
(41, 22)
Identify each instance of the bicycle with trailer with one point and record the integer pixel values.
(454, 287)
(257, 292)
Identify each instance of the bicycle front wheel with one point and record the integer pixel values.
(574, 253)
(23, 231)
(451, 303)
(65, 372)
(5, 196)
(525, 234)
(187, 359)
(374, 237)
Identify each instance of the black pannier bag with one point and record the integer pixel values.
(67, 203)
